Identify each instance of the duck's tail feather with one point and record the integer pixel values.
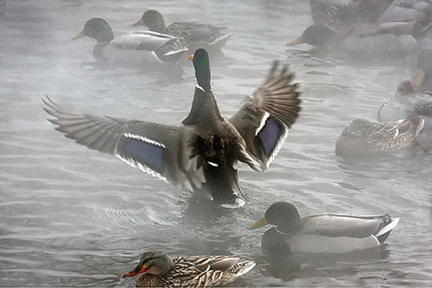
(387, 225)
(242, 268)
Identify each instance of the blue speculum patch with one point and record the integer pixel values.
(145, 153)
(269, 135)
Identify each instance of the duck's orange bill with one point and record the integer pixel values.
(136, 271)
(190, 57)
(296, 42)
(79, 35)
(139, 23)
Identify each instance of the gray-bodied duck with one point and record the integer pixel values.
(160, 270)
(200, 155)
(194, 35)
(158, 47)
(323, 233)
(366, 38)
(365, 138)
(407, 100)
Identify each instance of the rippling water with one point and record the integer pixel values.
(71, 216)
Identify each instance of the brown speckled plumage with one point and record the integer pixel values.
(362, 137)
(194, 271)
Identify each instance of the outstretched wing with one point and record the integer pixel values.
(150, 146)
(265, 118)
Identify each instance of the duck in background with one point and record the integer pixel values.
(202, 154)
(194, 35)
(423, 77)
(160, 270)
(406, 102)
(323, 233)
(366, 38)
(366, 33)
(341, 15)
(362, 138)
(152, 46)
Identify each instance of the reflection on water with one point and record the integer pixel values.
(70, 216)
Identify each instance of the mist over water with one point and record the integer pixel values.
(70, 216)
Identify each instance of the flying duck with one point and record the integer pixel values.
(201, 154)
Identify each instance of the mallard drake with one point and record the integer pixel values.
(406, 101)
(365, 138)
(160, 270)
(162, 47)
(363, 38)
(423, 78)
(194, 35)
(343, 15)
(323, 233)
(201, 155)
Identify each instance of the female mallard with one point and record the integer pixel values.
(194, 35)
(323, 233)
(344, 15)
(166, 48)
(201, 155)
(160, 270)
(362, 137)
(406, 101)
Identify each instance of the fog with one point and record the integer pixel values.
(72, 216)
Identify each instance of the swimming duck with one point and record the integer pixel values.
(201, 155)
(365, 138)
(160, 270)
(323, 233)
(194, 35)
(343, 15)
(423, 78)
(361, 38)
(162, 47)
(406, 101)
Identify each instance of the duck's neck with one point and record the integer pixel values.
(203, 76)
(288, 228)
(98, 50)
(204, 109)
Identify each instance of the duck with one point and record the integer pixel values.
(322, 233)
(423, 77)
(160, 47)
(342, 15)
(362, 137)
(202, 154)
(160, 270)
(407, 100)
(367, 38)
(194, 35)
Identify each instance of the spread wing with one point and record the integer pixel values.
(265, 118)
(152, 147)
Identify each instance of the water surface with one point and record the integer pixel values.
(70, 216)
